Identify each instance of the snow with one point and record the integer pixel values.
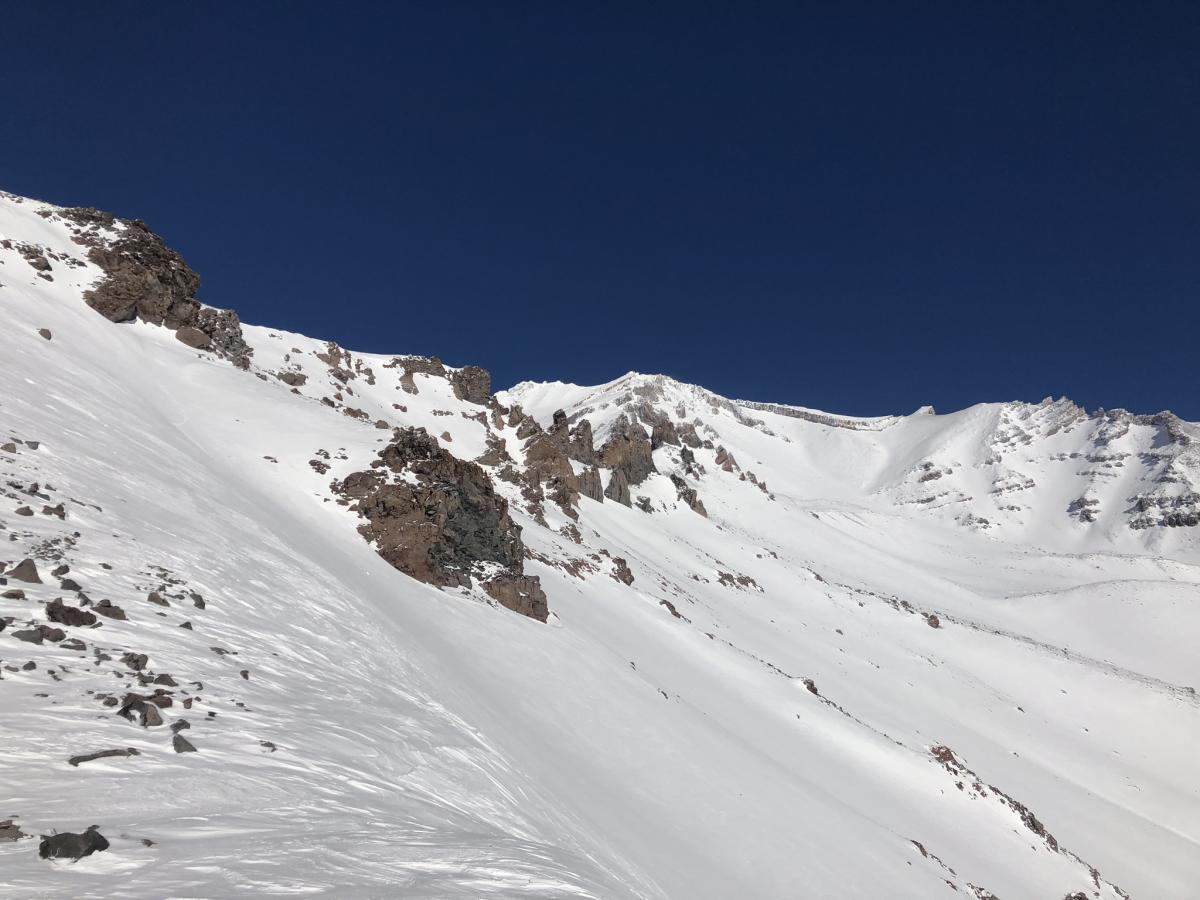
(429, 744)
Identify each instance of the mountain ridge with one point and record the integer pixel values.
(777, 656)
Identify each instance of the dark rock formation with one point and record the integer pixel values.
(496, 453)
(72, 846)
(628, 450)
(580, 444)
(618, 488)
(688, 495)
(147, 280)
(10, 832)
(590, 484)
(445, 528)
(107, 609)
(664, 433)
(193, 337)
(57, 611)
(142, 710)
(102, 754)
(182, 744)
(293, 379)
(621, 571)
(520, 593)
(473, 384)
(25, 570)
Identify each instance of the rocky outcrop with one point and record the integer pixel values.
(473, 384)
(145, 279)
(579, 447)
(628, 450)
(439, 519)
(521, 593)
(591, 485)
(618, 488)
(687, 494)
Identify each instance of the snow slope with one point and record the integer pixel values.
(766, 711)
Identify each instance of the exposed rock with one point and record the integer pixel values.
(102, 754)
(580, 445)
(664, 433)
(496, 453)
(725, 460)
(45, 332)
(528, 428)
(473, 384)
(57, 611)
(688, 495)
(157, 599)
(10, 832)
(621, 571)
(145, 279)
(444, 528)
(193, 337)
(65, 845)
(25, 570)
(591, 485)
(293, 379)
(520, 593)
(40, 633)
(109, 611)
(628, 449)
(546, 458)
(140, 709)
(135, 661)
(618, 488)
(182, 744)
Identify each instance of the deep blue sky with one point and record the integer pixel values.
(858, 207)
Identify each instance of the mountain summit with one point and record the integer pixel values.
(278, 617)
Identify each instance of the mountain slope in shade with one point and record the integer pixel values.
(787, 653)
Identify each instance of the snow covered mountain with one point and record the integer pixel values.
(358, 627)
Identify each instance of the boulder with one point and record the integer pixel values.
(57, 611)
(102, 754)
(65, 845)
(520, 593)
(25, 570)
(193, 337)
(182, 744)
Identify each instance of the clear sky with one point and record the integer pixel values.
(857, 207)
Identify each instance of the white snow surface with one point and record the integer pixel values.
(773, 737)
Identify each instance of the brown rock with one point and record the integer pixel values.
(520, 593)
(193, 337)
(56, 611)
(473, 384)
